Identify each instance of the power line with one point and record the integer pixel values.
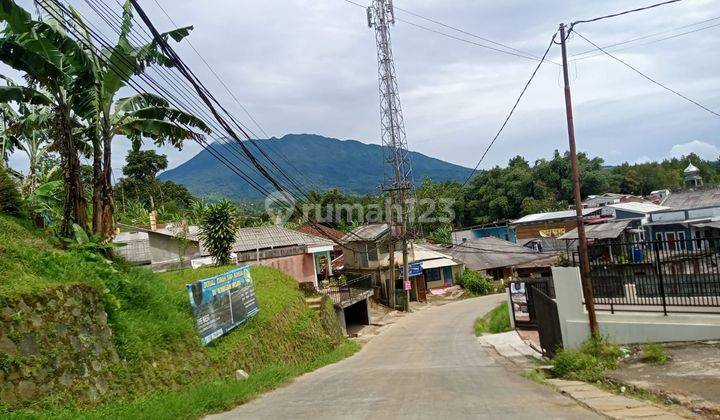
(106, 50)
(462, 31)
(692, 101)
(512, 110)
(108, 18)
(640, 38)
(639, 9)
(457, 38)
(237, 101)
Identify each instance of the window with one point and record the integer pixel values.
(680, 245)
(432, 274)
(372, 252)
(363, 255)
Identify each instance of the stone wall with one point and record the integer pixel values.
(56, 342)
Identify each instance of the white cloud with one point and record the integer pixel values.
(705, 150)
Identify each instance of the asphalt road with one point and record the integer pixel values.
(426, 365)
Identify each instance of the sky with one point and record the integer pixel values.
(301, 66)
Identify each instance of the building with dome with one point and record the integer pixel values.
(692, 176)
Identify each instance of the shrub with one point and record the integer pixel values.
(576, 365)
(603, 350)
(10, 200)
(218, 224)
(589, 362)
(475, 283)
(654, 353)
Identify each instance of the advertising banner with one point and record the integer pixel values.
(221, 303)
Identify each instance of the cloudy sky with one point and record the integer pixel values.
(302, 66)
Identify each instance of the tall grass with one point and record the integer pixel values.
(497, 321)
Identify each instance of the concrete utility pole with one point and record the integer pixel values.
(582, 239)
(380, 16)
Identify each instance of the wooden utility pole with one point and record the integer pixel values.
(582, 239)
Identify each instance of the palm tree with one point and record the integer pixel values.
(54, 61)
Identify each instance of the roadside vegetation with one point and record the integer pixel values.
(497, 321)
(654, 353)
(163, 370)
(589, 363)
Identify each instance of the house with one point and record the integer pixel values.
(438, 268)
(606, 199)
(498, 258)
(325, 232)
(367, 252)
(499, 230)
(540, 231)
(136, 249)
(693, 214)
(168, 246)
(631, 210)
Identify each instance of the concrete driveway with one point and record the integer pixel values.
(426, 365)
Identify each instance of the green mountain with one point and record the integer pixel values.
(348, 165)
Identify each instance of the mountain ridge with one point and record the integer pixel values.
(351, 166)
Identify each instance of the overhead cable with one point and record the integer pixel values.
(650, 79)
(512, 110)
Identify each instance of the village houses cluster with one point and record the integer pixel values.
(350, 268)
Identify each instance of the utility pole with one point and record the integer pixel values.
(396, 182)
(582, 239)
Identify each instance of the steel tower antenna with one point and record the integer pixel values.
(397, 174)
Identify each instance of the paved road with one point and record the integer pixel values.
(427, 365)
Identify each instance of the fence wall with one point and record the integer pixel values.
(627, 326)
(657, 276)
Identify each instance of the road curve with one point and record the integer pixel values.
(426, 365)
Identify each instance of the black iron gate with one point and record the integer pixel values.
(547, 321)
(523, 304)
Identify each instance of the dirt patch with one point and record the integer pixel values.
(691, 376)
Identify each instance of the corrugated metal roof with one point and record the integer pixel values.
(608, 230)
(636, 207)
(693, 199)
(263, 237)
(714, 224)
(491, 252)
(366, 233)
(321, 231)
(553, 215)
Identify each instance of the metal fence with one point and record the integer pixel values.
(676, 275)
(343, 291)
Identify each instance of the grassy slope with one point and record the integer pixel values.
(151, 321)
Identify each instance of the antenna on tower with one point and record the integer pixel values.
(392, 128)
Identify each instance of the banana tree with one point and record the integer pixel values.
(7, 143)
(53, 60)
(28, 128)
(138, 117)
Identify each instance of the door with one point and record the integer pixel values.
(447, 276)
(420, 288)
(670, 237)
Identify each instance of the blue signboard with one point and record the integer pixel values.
(415, 269)
(221, 303)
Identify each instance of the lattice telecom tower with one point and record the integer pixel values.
(380, 16)
(397, 171)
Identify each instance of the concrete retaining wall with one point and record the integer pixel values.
(624, 327)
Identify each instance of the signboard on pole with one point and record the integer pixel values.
(221, 303)
(415, 269)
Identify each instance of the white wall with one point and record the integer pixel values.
(624, 327)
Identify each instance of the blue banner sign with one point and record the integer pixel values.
(415, 269)
(221, 303)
